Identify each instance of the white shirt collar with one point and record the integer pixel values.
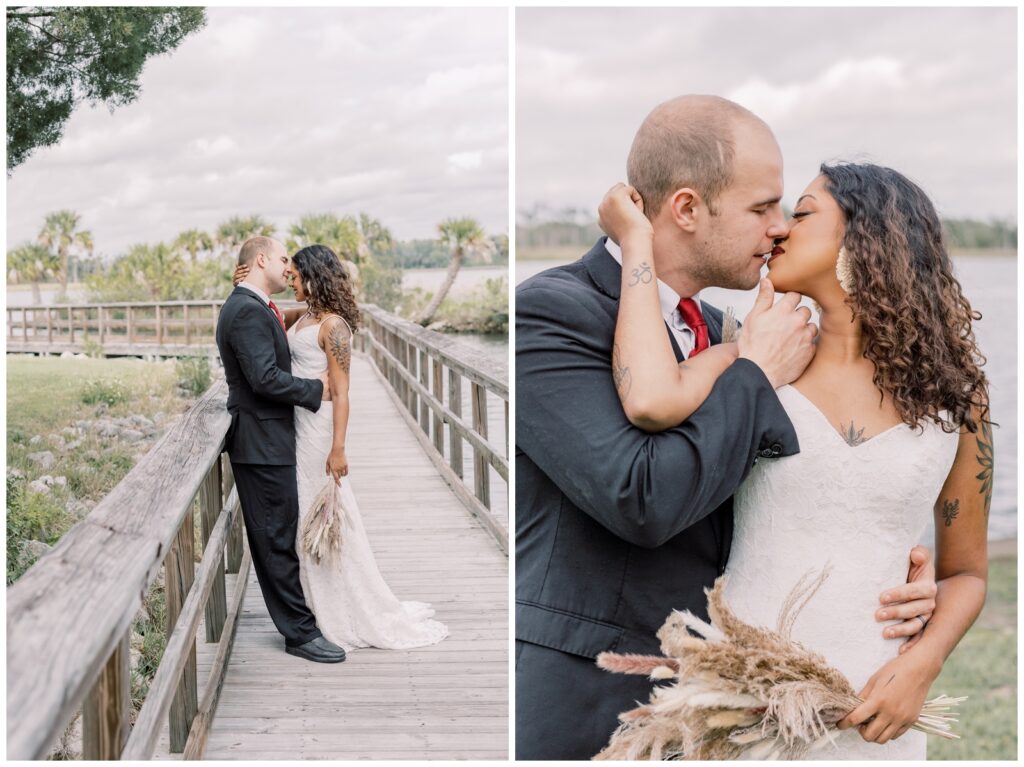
(667, 297)
(250, 287)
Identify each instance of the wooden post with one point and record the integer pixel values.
(455, 405)
(71, 324)
(131, 327)
(103, 329)
(49, 326)
(106, 713)
(410, 367)
(210, 506)
(188, 335)
(439, 396)
(179, 574)
(24, 323)
(235, 544)
(425, 380)
(159, 325)
(481, 476)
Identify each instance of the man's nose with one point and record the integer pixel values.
(779, 229)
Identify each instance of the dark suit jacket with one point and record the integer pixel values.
(262, 392)
(616, 527)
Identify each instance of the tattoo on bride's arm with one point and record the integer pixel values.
(950, 510)
(986, 459)
(852, 434)
(620, 373)
(341, 349)
(642, 274)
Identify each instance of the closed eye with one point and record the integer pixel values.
(802, 213)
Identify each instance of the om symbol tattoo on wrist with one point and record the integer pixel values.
(642, 274)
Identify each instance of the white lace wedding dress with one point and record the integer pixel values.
(352, 604)
(859, 509)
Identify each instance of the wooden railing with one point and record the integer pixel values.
(424, 372)
(69, 617)
(121, 328)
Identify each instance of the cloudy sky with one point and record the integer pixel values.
(931, 92)
(401, 113)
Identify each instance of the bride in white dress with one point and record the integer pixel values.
(351, 601)
(892, 421)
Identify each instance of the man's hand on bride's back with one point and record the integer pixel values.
(621, 214)
(778, 338)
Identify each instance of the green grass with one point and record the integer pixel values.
(984, 667)
(45, 395)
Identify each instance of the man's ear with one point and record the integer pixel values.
(685, 207)
(260, 260)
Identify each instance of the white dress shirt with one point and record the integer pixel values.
(669, 301)
(253, 289)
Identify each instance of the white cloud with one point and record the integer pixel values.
(283, 112)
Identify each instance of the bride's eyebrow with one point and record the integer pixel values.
(806, 197)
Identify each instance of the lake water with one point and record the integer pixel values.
(990, 284)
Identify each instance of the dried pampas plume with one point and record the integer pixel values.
(321, 530)
(740, 691)
(730, 328)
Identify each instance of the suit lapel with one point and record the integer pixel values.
(280, 335)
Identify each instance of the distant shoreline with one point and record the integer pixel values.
(572, 252)
(1004, 549)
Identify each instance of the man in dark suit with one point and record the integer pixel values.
(262, 394)
(616, 527)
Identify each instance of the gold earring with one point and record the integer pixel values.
(843, 271)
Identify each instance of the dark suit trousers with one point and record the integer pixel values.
(566, 707)
(269, 498)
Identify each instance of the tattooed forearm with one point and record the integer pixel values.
(341, 348)
(852, 434)
(620, 373)
(986, 459)
(950, 510)
(641, 274)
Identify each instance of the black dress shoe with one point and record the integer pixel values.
(318, 650)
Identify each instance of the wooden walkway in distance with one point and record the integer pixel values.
(447, 701)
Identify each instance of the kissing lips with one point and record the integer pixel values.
(776, 252)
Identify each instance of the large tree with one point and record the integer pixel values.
(461, 236)
(58, 57)
(32, 263)
(60, 234)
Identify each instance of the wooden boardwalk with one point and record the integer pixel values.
(448, 701)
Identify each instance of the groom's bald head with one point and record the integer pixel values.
(689, 141)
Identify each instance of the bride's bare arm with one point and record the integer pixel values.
(895, 694)
(335, 339)
(656, 392)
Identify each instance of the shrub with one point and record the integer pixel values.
(31, 516)
(193, 374)
(108, 392)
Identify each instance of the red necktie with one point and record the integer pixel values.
(693, 318)
(277, 313)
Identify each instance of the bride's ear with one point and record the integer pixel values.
(685, 206)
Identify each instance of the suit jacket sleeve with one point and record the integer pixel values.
(251, 338)
(645, 488)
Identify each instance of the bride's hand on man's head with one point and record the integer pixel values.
(240, 272)
(621, 213)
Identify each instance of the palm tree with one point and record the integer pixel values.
(192, 241)
(61, 233)
(461, 236)
(158, 267)
(237, 229)
(340, 233)
(31, 262)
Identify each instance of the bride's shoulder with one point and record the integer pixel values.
(333, 329)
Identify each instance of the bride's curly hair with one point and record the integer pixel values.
(326, 284)
(914, 317)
